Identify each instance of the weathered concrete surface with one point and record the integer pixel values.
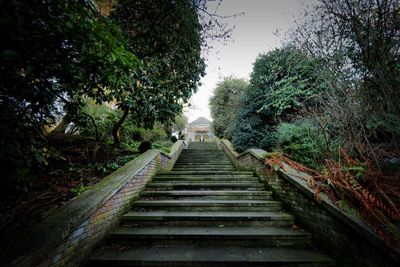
(68, 233)
(185, 212)
(350, 240)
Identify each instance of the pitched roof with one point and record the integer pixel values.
(200, 120)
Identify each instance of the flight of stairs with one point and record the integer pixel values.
(206, 213)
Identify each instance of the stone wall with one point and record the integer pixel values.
(340, 234)
(68, 235)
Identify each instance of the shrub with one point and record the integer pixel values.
(302, 141)
(155, 134)
(163, 145)
(182, 137)
(144, 146)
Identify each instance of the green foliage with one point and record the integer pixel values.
(288, 80)
(76, 191)
(224, 103)
(154, 134)
(163, 145)
(283, 84)
(302, 141)
(249, 128)
(179, 124)
(166, 35)
(95, 120)
(358, 43)
(144, 146)
(53, 53)
(115, 164)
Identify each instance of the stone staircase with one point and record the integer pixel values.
(206, 213)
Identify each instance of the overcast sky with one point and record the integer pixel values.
(255, 33)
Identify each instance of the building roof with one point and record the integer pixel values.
(200, 121)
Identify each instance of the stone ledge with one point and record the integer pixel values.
(175, 147)
(350, 220)
(41, 238)
(292, 176)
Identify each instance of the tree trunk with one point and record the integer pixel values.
(62, 126)
(94, 125)
(117, 128)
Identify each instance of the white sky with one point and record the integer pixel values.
(254, 33)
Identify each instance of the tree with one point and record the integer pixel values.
(166, 36)
(224, 103)
(54, 52)
(283, 84)
(358, 43)
(180, 124)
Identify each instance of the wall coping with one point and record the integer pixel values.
(45, 235)
(292, 176)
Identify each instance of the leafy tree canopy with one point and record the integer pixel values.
(53, 53)
(284, 82)
(359, 42)
(224, 103)
(166, 36)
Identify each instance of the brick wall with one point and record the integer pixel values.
(75, 239)
(340, 234)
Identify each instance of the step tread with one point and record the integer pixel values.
(248, 204)
(148, 256)
(161, 214)
(207, 192)
(207, 225)
(251, 178)
(209, 172)
(196, 202)
(244, 232)
(205, 183)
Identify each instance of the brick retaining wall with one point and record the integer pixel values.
(68, 235)
(340, 234)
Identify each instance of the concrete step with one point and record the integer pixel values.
(212, 162)
(205, 152)
(208, 205)
(213, 235)
(206, 178)
(207, 218)
(204, 175)
(195, 156)
(209, 172)
(218, 256)
(206, 185)
(205, 213)
(199, 165)
(204, 164)
(210, 153)
(228, 168)
(208, 194)
(203, 161)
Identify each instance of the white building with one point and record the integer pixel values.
(200, 130)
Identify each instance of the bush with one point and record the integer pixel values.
(163, 145)
(269, 141)
(174, 139)
(155, 134)
(137, 134)
(302, 141)
(144, 146)
(182, 137)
